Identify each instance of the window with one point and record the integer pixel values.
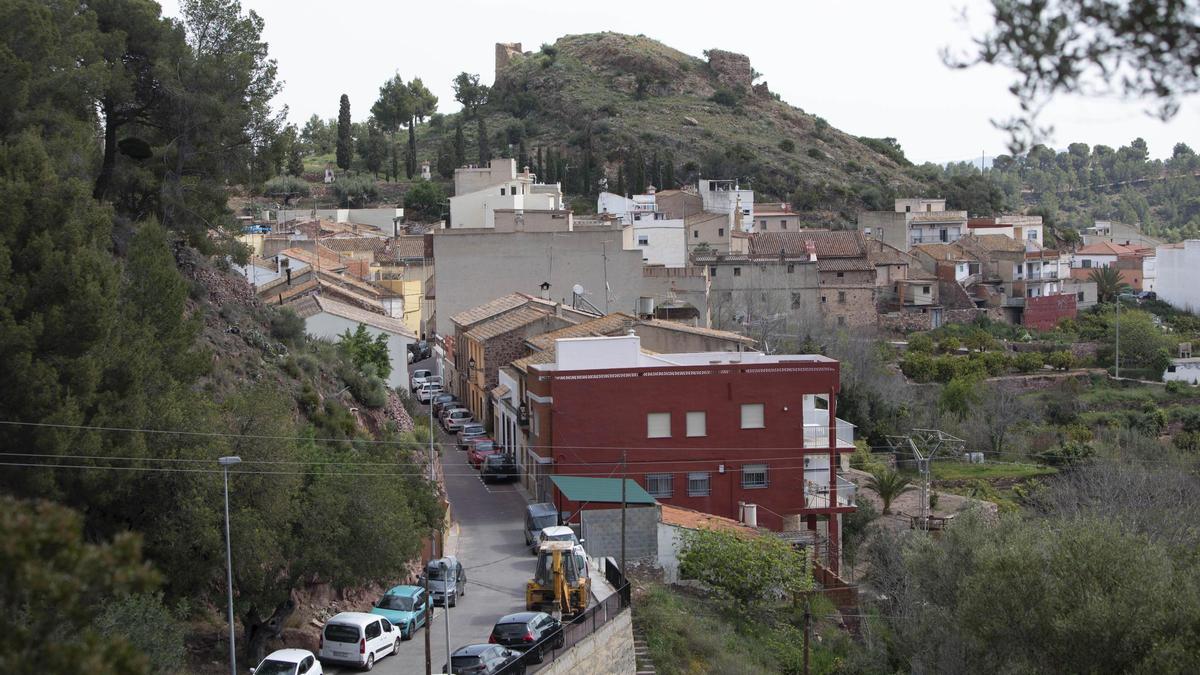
(695, 234)
(763, 223)
(501, 192)
(841, 321)
(658, 425)
(908, 209)
(791, 269)
(1086, 263)
(1079, 296)
(712, 270)
(752, 416)
(373, 630)
(928, 208)
(754, 476)
(925, 289)
(745, 212)
(697, 423)
(842, 297)
(737, 271)
(841, 275)
(720, 232)
(643, 240)
(943, 235)
(822, 299)
(698, 485)
(783, 224)
(658, 484)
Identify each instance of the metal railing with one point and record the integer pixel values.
(1037, 276)
(816, 435)
(573, 630)
(816, 495)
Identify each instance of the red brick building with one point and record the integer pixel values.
(706, 431)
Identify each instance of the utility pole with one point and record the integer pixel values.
(1117, 349)
(446, 604)
(428, 623)
(431, 435)
(624, 471)
(604, 253)
(225, 463)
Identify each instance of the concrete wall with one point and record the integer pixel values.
(602, 532)
(665, 241)
(688, 285)
(380, 218)
(764, 289)
(1182, 371)
(328, 326)
(887, 226)
(474, 267)
(608, 651)
(670, 543)
(1176, 282)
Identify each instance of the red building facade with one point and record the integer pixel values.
(702, 431)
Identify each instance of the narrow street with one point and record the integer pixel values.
(490, 546)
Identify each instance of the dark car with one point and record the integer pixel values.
(469, 431)
(420, 350)
(538, 516)
(484, 659)
(498, 468)
(444, 405)
(444, 397)
(529, 632)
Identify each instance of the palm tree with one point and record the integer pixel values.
(1108, 283)
(889, 484)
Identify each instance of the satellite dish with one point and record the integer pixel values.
(577, 289)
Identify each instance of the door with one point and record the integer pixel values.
(419, 604)
(374, 637)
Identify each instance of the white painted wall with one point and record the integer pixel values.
(666, 241)
(1186, 370)
(670, 542)
(617, 205)
(478, 209)
(1092, 261)
(328, 326)
(1177, 275)
(597, 353)
(724, 201)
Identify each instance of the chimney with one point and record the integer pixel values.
(810, 247)
(748, 514)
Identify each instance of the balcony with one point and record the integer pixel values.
(1046, 275)
(934, 238)
(816, 435)
(816, 495)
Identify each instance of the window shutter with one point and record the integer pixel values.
(658, 425)
(697, 423)
(752, 416)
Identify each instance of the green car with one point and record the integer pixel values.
(405, 607)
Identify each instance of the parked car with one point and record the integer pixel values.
(479, 451)
(358, 639)
(419, 350)
(499, 468)
(444, 397)
(440, 408)
(447, 580)
(435, 379)
(558, 533)
(538, 516)
(484, 659)
(418, 378)
(454, 419)
(529, 632)
(289, 662)
(1147, 295)
(469, 432)
(405, 607)
(428, 391)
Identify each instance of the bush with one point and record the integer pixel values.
(366, 386)
(356, 191)
(725, 97)
(950, 344)
(426, 201)
(918, 367)
(787, 145)
(1027, 362)
(945, 368)
(1061, 360)
(150, 626)
(996, 363)
(1068, 454)
(921, 343)
(1176, 387)
(287, 326)
(285, 188)
(815, 153)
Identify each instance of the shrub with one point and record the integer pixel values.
(920, 343)
(945, 368)
(787, 145)
(918, 367)
(725, 97)
(355, 191)
(366, 386)
(815, 153)
(425, 199)
(1061, 360)
(996, 363)
(150, 626)
(950, 344)
(287, 326)
(1027, 362)
(1176, 387)
(1069, 453)
(285, 188)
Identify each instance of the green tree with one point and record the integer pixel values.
(470, 93)
(373, 148)
(426, 200)
(318, 136)
(355, 192)
(1108, 283)
(959, 396)
(345, 142)
(749, 570)
(52, 582)
(460, 145)
(889, 484)
(286, 188)
(145, 622)
(485, 150)
(364, 349)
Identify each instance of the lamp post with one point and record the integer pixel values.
(225, 463)
(446, 602)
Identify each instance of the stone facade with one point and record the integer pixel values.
(732, 69)
(848, 298)
(608, 651)
(505, 51)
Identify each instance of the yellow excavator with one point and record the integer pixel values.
(560, 582)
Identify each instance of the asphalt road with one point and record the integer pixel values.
(492, 550)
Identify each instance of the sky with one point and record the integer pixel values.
(869, 67)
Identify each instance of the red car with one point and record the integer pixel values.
(480, 448)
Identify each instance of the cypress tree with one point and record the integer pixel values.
(345, 144)
(485, 150)
(460, 145)
(656, 171)
(522, 155)
(669, 171)
(621, 180)
(540, 165)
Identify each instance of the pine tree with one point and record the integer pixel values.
(669, 171)
(621, 180)
(485, 149)
(540, 167)
(460, 145)
(345, 144)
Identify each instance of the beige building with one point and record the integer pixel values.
(775, 217)
(914, 221)
(479, 192)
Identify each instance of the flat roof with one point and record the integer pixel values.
(601, 490)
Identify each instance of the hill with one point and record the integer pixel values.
(612, 104)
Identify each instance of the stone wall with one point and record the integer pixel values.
(608, 651)
(732, 70)
(602, 531)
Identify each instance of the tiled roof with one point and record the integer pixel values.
(509, 321)
(1105, 248)
(315, 304)
(547, 356)
(704, 217)
(844, 265)
(405, 247)
(993, 242)
(324, 258)
(697, 520)
(598, 327)
(941, 251)
(355, 244)
(487, 310)
(828, 243)
(696, 330)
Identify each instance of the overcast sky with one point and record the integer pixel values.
(869, 67)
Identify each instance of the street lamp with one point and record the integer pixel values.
(446, 601)
(225, 463)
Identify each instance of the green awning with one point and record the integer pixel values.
(600, 490)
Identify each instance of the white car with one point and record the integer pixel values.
(418, 378)
(358, 639)
(565, 533)
(427, 391)
(289, 662)
(435, 379)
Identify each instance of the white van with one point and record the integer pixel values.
(358, 638)
(418, 378)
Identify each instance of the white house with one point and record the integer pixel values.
(328, 319)
(1183, 370)
(479, 192)
(1177, 274)
(662, 242)
(726, 196)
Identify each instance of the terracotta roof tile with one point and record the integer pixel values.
(698, 520)
(509, 321)
(355, 244)
(829, 243)
(610, 324)
(696, 330)
(315, 304)
(844, 265)
(487, 310)
(1105, 248)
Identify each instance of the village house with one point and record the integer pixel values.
(672, 420)
(1021, 228)
(1136, 265)
(480, 192)
(914, 221)
(1177, 275)
(329, 319)
(404, 265)
(775, 217)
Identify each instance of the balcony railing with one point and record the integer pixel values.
(816, 495)
(816, 435)
(1037, 276)
(934, 239)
